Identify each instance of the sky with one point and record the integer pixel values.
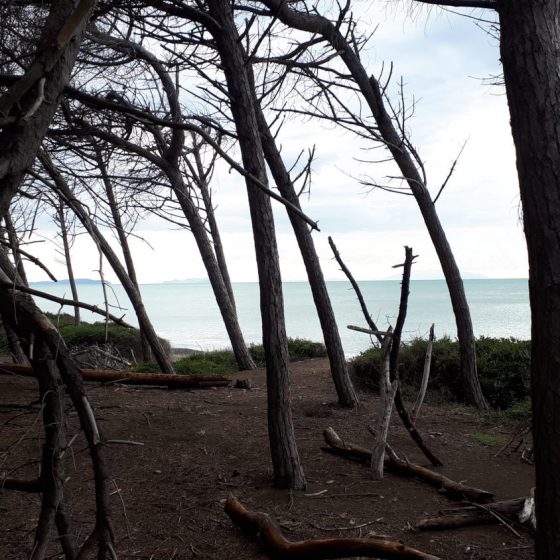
(444, 61)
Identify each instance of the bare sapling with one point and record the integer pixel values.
(425, 376)
(393, 352)
(387, 390)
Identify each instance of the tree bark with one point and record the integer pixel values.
(133, 294)
(123, 241)
(68, 259)
(288, 472)
(530, 52)
(371, 91)
(339, 369)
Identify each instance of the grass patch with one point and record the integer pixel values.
(222, 362)
(488, 439)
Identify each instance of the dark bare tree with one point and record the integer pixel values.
(67, 238)
(387, 129)
(529, 33)
(288, 472)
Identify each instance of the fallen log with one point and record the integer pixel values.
(32, 486)
(131, 378)
(404, 468)
(279, 547)
(473, 515)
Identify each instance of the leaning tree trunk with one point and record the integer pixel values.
(68, 259)
(202, 182)
(288, 472)
(14, 344)
(333, 344)
(372, 94)
(208, 256)
(65, 193)
(530, 52)
(169, 163)
(123, 241)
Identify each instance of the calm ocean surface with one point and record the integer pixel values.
(187, 315)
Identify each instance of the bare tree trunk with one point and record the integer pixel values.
(204, 187)
(14, 245)
(14, 344)
(221, 293)
(530, 53)
(123, 241)
(52, 471)
(333, 344)
(68, 259)
(288, 472)
(169, 163)
(133, 294)
(372, 93)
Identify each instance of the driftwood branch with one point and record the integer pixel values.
(387, 390)
(399, 402)
(473, 515)
(368, 331)
(129, 378)
(425, 377)
(64, 301)
(456, 490)
(278, 547)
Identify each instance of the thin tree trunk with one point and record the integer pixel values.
(133, 294)
(530, 53)
(14, 344)
(52, 470)
(14, 245)
(339, 369)
(68, 259)
(123, 241)
(169, 163)
(288, 472)
(221, 293)
(371, 91)
(203, 186)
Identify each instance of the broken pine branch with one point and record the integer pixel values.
(129, 378)
(399, 402)
(425, 377)
(456, 490)
(277, 546)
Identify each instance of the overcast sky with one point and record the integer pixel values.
(443, 60)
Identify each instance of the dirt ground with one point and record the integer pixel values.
(199, 446)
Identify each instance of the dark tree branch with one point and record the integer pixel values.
(485, 4)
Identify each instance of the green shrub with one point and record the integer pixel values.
(503, 368)
(220, 362)
(125, 340)
(298, 348)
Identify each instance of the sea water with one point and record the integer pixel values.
(187, 315)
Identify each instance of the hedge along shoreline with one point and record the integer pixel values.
(504, 366)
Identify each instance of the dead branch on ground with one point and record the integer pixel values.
(129, 378)
(277, 546)
(399, 403)
(337, 446)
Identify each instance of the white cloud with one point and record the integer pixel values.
(438, 57)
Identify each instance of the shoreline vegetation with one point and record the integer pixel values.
(503, 363)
